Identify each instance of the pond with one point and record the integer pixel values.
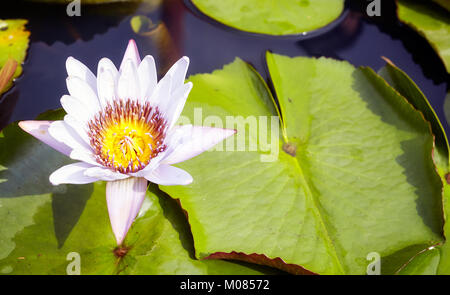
(105, 30)
(327, 186)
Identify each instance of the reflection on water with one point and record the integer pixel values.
(105, 30)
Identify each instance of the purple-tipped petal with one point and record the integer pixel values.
(191, 141)
(39, 129)
(132, 53)
(124, 199)
(169, 175)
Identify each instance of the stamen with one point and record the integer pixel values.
(125, 136)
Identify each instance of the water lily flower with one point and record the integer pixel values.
(121, 128)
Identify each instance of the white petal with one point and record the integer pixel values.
(154, 163)
(73, 173)
(161, 95)
(169, 175)
(83, 156)
(76, 68)
(64, 133)
(76, 109)
(189, 141)
(124, 199)
(178, 73)
(78, 127)
(39, 129)
(131, 53)
(147, 77)
(177, 102)
(104, 174)
(83, 92)
(107, 76)
(105, 64)
(128, 87)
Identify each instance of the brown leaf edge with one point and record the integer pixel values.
(262, 259)
(254, 258)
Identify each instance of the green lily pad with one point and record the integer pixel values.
(437, 259)
(14, 41)
(408, 89)
(142, 24)
(425, 263)
(431, 23)
(354, 170)
(42, 224)
(281, 17)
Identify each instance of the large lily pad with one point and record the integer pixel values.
(436, 260)
(42, 224)
(14, 41)
(431, 23)
(281, 17)
(356, 170)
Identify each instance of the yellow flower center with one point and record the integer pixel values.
(126, 136)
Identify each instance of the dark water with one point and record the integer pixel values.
(105, 31)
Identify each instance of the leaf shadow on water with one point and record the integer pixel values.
(27, 165)
(8, 102)
(417, 167)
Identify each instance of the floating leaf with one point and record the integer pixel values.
(435, 260)
(13, 45)
(281, 17)
(42, 224)
(425, 263)
(408, 89)
(356, 169)
(141, 24)
(431, 23)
